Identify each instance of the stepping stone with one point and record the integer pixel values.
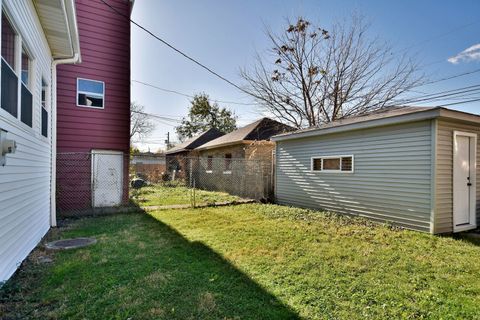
(66, 244)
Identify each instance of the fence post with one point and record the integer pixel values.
(194, 204)
(92, 155)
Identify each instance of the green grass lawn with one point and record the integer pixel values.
(158, 195)
(248, 262)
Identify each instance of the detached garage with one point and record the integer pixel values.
(413, 167)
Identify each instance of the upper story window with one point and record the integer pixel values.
(332, 164)
(14, 75)
(9, 88)
(90, 93)
(8, 42)
(26, 97)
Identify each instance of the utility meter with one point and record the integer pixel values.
(6, 146)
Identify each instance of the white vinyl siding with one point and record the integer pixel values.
(391, 180)
(25, 180)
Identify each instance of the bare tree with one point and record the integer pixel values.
(141, 124)
(313, 76)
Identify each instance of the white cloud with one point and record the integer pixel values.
(470, 54)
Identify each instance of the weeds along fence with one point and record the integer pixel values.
(250, 179)
(102, 182)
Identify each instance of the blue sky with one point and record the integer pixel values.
(225, 35)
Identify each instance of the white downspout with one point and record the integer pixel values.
(53, 135)
(69, 8)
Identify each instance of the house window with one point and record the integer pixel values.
(228, 162)
(332, 164)
(26, 96)
(9, 86)
(44, 109)
(210, 163)
(90, 93)
(11, 75)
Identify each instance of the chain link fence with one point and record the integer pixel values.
(103, 182)
(90, 183)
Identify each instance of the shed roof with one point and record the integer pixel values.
(196, 141)
(387, 116)
(262, 129)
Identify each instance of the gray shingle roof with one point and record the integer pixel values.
(262, 129)
(196, 141)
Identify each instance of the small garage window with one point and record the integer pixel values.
(332, 163)
(90, 93)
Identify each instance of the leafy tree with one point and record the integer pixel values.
(313, 76)
(204, 115)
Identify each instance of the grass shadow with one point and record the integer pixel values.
(140, 268)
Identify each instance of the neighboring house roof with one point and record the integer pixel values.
(196, 141)
(59, 22)
(262, 129)
(387, 116)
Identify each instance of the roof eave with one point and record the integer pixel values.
(416, 116)
(59, 23)
(225, 144)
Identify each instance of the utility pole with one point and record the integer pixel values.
(167, 142)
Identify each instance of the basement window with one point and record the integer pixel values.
(332, 163)
(90, 93)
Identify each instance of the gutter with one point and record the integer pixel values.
(438, 112)
(69, 8)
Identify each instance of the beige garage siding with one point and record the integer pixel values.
(443, 220)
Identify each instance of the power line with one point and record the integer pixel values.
(450, 77)
(187, 95)
(463, 91)
(175, 49)
(463, 102)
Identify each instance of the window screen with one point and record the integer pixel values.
(90, 93)
(333, 164)
(9, 90)
(44, 122)
(347, 164)
(44, 109)
(27, 102)
(317, 164)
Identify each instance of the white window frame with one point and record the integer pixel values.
(20, 43)
(86, 92)
(333, 157)
(47, 108)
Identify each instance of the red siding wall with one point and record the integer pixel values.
(105, 51)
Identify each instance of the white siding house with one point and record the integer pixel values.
(36, 36)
